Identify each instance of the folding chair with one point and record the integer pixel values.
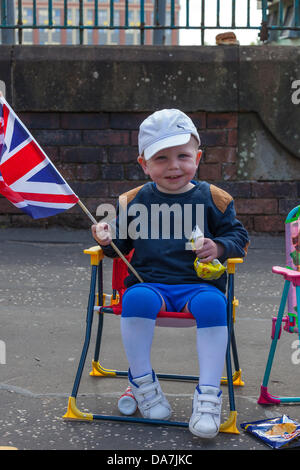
(119, 273)
(291, 298)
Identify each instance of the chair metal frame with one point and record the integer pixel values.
(96, 284)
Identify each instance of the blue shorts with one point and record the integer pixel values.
(177, 296)
(206, 302)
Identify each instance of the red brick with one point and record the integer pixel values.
(134, 138)
(112, 172)
(88, 172)
(84, 121)
(269, 223)
(127, 120)
(106, 137)
(213, 138)
(23, 220)
(5, 221)
(6, 207)
(256, 206)
(69, 172)
(52, 153)
(237, 189)
(222, 120)
(40, 120)
(220, 154)
(210, 172)
(247, 221)
(123, 154)
(286, 205)
(276, 189)
(118, 187)
(232, 137)
(229, 171)
(52, 137)
(83, 154)
(199, 119)
(90, 189)
(134, 172)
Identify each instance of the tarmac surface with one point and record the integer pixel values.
(44, 287)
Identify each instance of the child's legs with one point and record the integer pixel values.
(209, 310)
(140, 307)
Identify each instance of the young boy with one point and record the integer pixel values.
(169, 154)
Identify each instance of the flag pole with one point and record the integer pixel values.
(92, 218)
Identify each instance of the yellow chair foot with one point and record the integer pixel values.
(99, 371)
(74, 413)
(230, 426)
(236, 379)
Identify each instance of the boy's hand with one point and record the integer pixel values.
(209, 251)
(102, 233)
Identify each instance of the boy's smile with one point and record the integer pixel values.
(173, 168)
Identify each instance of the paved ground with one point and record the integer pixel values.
(44, 284)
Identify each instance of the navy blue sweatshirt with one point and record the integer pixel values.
(160, 251)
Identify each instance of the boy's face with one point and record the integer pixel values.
(173, 168)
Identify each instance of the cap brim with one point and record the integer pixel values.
(179, 139)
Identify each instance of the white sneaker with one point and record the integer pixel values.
(206, 415)
(151, 401)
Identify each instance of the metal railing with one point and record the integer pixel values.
(23, 16)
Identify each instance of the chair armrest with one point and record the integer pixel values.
(231, 262)
(96, 254)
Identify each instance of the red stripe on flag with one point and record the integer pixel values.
(11, 195)
(59, 198)
(21, 163)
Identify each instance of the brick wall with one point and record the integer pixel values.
(96, 153)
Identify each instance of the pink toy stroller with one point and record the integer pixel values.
(290, 297)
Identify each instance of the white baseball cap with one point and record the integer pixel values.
(163, 129)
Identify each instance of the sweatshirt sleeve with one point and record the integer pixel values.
(230, 232)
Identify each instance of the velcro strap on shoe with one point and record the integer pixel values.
(207, 397)
(208, 409)
(148, 403)
(148, 388)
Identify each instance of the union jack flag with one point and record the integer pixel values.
(28, 178)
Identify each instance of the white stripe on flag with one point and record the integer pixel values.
(20, 205)
(8, 137)
(41, 188)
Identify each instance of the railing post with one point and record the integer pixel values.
(8, 18)
(81, 22)
(264, 33)
(159, 20)
(142, 22)
(202, 22)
